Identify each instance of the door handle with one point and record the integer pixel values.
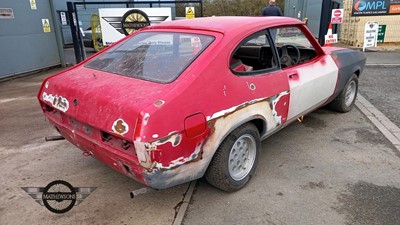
(293, 75)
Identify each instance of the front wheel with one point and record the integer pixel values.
(235, 160)
(344, 102)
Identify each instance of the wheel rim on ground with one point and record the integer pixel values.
(242, 157)
(350, 93)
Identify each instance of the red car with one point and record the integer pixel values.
(191, 98)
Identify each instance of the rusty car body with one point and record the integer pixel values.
(185, 99)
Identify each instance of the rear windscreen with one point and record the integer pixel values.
(155, 56)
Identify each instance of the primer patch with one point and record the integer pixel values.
(275, 108)
(120, 127)
(56, 101)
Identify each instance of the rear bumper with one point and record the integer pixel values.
(126, 162)
(123, 162)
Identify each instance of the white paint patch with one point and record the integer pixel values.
(234, 108)
(120, 127)
(224, 90)
(175, 139)
(143, 149)
(155, 136)
(56, 101)
(46, 85)
(316, 83)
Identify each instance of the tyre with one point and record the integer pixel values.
(344, 102)
(235, 160)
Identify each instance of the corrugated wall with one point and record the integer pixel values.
(24, 45)
(352, 30)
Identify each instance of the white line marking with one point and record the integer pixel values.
(387, 127)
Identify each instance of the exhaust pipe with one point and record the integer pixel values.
(141, 191)
(54, 138)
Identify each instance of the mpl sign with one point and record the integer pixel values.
(370, 7)
(337, 16)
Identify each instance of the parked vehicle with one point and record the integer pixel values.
(191, 98)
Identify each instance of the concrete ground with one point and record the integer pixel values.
(331, 169)
(381, 86)
(28, 161)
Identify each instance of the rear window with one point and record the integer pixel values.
(155, 56)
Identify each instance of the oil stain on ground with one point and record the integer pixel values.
(367, 203)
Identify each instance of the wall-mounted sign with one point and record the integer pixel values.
(33, 4)
(381, 33)
(375, 8)
(189, 12)
(116, 23)
(337, 16)
(370, 34)
(394, 9)
(6, 13)
(46, 25)
(63, 17)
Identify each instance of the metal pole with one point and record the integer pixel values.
(77, 50)
(201, 8)
(58, 33)
(82, 47)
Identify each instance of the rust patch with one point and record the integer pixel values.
(120, 127)
(159, 103)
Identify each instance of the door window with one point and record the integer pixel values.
(292, 45)
(254, 55)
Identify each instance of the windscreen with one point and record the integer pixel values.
(155, 56)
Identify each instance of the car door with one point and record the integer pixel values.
(311, 74)
(252, 63)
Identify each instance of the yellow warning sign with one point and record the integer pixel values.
(46, 25)
(33, 4)
(190, 13)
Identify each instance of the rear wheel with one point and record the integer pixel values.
(235, 160)
(344, 102)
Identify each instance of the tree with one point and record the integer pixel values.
(236, 7)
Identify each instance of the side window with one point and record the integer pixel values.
(293, 46)
(254, 55)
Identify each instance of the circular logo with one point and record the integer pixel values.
(360, 6)
(59, 196)
(134, 20)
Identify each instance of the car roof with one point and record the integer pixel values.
(228, 24)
